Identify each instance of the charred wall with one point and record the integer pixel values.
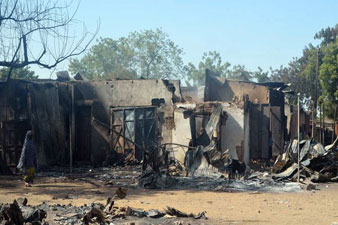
(14, 122)
(232, 131)
(264, 119)
(46, 108)
(41, 107)
(292, 122)
(221, 89)
(49, 111)
(112, 95)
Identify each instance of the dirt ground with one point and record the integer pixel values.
(305, 207)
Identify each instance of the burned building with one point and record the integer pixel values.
(255, 123)
(61, 116)
(97, 122)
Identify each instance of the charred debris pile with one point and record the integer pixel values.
(20, 213)
(205, 165)
(317, 164)
(214, 170)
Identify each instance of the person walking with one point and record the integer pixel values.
(27, 162)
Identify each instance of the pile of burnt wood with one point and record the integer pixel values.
(317, 163)
(20, 213)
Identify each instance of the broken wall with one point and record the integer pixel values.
(232, 131)
(35, 106)
(181, 134)
(260, 131)
(231, 128)
(14, 122)
(45, 107)
(264, 120)
(291, 112)
(49, 121)
(277, 129)
(221, 89)
(122, 94)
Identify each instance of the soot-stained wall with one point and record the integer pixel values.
(45, 107)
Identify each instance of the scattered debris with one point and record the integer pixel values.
(152, 213)
(94, 215)
(177, 213)
(317, 163)
(121, 193)
(22, 201)
(16, 214)
(332, 146)
(155, 180)
(310, 187)
(12, 214)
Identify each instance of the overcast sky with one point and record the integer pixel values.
(252, 33)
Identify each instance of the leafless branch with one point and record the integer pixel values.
(38, 32)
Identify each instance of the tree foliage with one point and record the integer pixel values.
(327, 35)
(239, 72)
(261, 76)
(147, 54)
(211, 60)
(329, 77)
(107, 59)
(156, 56)
(21, 73)
(302, 72)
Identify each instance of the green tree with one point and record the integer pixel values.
(21, 73)
(292, 74)
(312, 61)
(156, 56)
(261, 76)
(309, 70)
(239, 72)
(107, 59)
(148, 54)
(211, 60)
(327, 35)
(279, 75)
(329, 77)
(301, 72)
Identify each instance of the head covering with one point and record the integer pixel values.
(28, 155)
(29, 134)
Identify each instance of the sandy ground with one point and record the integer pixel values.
(306, 207)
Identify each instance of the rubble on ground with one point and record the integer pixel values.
(96, 213)
(19, 214)
(119, 176)
(205, 179)
(317, 164)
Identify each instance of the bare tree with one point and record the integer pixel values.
(38, 32)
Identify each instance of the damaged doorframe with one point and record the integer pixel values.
(138, 124)
(155, 155)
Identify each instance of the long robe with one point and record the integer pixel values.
(28, 154)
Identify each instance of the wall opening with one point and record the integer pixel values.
(134, 129)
